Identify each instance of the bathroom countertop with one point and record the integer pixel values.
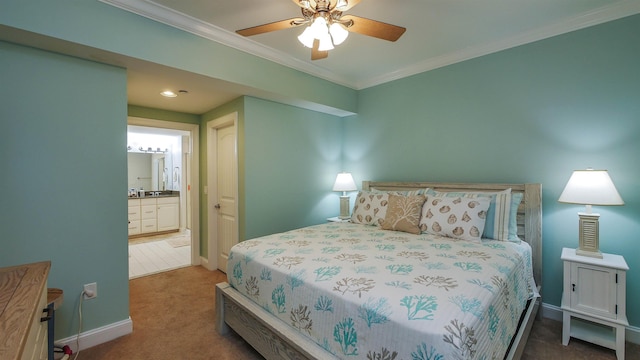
(162, 194)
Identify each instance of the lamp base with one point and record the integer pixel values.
(593, 254)
(589, 241)
(344, 208)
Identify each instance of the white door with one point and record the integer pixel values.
(226, 190)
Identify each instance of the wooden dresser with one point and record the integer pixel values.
(23, 311)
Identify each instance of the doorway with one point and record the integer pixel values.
(170, 208)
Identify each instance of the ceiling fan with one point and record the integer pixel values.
(327, 26)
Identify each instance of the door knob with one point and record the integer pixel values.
(217, 206)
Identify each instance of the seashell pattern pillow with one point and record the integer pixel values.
(403, 213)
(370, 208)
(455, 217)
(498, 215)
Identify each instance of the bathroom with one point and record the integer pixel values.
(159, 235)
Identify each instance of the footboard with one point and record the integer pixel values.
(263, 331)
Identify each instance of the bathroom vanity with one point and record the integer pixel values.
(154, 214)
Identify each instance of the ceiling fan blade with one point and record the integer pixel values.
(317, 54)
(274, 26)
(374, 28)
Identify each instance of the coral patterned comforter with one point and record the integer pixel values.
(365, 293)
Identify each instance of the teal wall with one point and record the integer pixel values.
(529, 114)
(291, 160)
(64, 170)
(101, 26)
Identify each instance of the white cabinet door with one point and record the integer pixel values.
(594, 289)
(168, 216)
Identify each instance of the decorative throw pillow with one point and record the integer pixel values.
(370, 208)
(498, 215)
(456, 217)
(403, 213)
(516, 198)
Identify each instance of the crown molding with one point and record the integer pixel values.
(165, 15)
(168, 16)
(581, 21)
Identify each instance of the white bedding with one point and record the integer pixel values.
(365, 293)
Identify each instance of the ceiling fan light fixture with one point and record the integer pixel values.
(319, 27)
(325, 42)
(307, 37)
(338, 33)
(306, 4)
(341, 5)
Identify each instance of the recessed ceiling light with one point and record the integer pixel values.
(168, 93)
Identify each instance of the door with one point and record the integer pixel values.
(226, 190)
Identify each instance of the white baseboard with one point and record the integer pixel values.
(205, 263)
(553, 312)
(98, 336)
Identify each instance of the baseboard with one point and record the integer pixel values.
(553, 312)
(205, 263)
(98, 336)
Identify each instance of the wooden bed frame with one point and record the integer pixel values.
(274, 339)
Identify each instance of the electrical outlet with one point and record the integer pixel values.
(90, 291)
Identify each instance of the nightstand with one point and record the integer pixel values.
(337, 219)
(594, 300)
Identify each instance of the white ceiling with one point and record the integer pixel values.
(439, 32)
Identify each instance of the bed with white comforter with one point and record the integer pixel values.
(361, 292)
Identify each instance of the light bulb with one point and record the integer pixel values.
(338, 33)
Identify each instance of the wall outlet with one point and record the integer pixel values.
(90, 291)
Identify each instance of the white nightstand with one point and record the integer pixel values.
(337, 219)
(594, 300)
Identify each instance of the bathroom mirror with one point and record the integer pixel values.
(151, 172)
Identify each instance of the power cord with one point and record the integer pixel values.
(89, 294)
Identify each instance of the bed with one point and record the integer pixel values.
(357, 291)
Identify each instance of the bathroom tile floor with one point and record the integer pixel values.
(154, 254)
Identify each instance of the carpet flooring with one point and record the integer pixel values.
(173, 317)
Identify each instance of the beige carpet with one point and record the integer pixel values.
(173, 317)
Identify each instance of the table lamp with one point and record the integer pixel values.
(590, 187)
(344, 182)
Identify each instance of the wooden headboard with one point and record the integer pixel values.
(529, 216)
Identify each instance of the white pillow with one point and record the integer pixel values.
(455, 217)
(498, 215)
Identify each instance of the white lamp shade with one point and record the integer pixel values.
(344, 182)
(338, 33)
(591, 187)
(306, 38)
(325, 42)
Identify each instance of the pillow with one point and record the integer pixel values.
(516, 198)
(456, 217)
(370, 208)
(498, 215)
(403, 213)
